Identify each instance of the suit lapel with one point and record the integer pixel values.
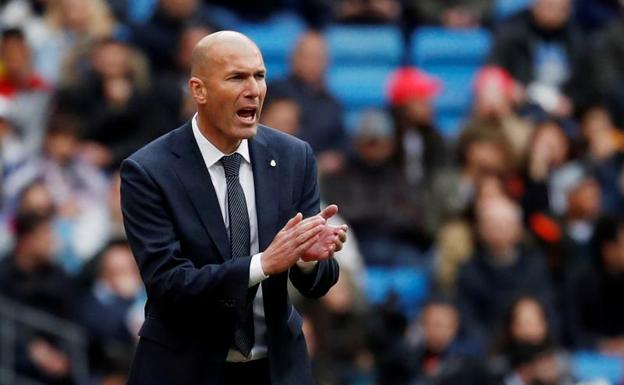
(190, 168)
(265, 166)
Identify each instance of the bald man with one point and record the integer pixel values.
(220, 213)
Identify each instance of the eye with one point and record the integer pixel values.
(260, 76)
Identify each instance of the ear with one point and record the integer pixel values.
(198, 90)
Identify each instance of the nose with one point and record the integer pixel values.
(252, 88)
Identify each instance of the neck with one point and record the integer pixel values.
(224, 144)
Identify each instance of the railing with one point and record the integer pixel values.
(14, 316)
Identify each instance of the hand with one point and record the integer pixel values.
(290, 242)
(330, 239)
(49, 359)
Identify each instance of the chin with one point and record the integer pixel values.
(246, 132)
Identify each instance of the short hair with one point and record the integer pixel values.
(13, 33)
(26, 223)
(64, 123)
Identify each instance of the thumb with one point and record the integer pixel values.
(329, 211)
(293, 221)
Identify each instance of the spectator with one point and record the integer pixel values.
(420, 149)
(582, 210)
(29, 277)
(594, 301)
(497, 101)
(483, 150)
(454, 245)
(607, 75)
(71, 27)
(367, 11)
(78, 190)
(249, 11)
(283, 113)
(604, 156)
(534, 364)
(501, 268)
(105, 310)
(548, 151)
(172, 102)
(438, 354)
(374, 198)
(321, 114)
(542, 49)
(27, 91)
(111, 98)
(526, 324)
(451, 13)
(158, 38)
(341, 354)
(12, 157)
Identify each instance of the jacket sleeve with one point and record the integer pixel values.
(169, 276)
(316, 283)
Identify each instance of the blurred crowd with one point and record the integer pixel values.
(517, 222)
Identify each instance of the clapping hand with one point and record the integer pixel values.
(330, 238)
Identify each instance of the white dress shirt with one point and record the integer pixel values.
(212, 156)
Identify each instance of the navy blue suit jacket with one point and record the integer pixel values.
(176, 232)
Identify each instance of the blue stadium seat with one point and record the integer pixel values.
(410, 284)
(504, 8)
(358, 87)
(365, 45)
(276, 37)
(454, 56)
(139, 11)
(432, 46)
(588, 366)
(453, 104)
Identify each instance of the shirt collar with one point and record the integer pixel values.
(212, 154)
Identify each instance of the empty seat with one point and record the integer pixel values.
(442, 46)
(366, 45)
(505, 8)
(359, 87)
(276, 38)
(409, 284)
(588, 366)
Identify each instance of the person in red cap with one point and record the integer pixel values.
(420, 148)
(497, 97)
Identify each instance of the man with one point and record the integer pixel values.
(321, 114)
(205, 231)
(29, 277)
(501, 268)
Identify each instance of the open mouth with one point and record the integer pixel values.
(247, 114)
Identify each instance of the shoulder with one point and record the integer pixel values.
(280, 141)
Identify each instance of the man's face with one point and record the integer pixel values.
(551, 14)
(310, 59)
(16, 58)
(440, 323)
(235, 87)
(41, 244)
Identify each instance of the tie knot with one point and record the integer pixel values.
(231, 164)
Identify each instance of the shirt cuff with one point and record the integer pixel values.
(256, 274)
(306, 266)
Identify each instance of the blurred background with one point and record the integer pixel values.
(474, 147)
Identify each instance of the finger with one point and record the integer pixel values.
(329, 211)
(307, 224)
(293, 221)
(306, 245)
(301, 238)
